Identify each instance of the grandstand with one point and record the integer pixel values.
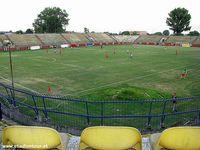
(180, 39)
(149, 39)
(125, 38)
(101, 37)
(24, 40)
(81, 39)
(75, 37)
(51, 39)
(196, 42)
(2, 38)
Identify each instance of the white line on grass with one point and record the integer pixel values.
(19, 85)
(51, 60)
(54, 60)
(31, 91)
(124, 81)
(4, 67)
(63, 64)
(62, 103)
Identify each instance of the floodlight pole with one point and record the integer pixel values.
(11, 72)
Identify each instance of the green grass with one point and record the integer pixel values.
(85, 73)
(126, 92)
(80, 72)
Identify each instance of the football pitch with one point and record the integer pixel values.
(95, 73)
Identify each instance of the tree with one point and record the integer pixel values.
(51, 20)
(29, 31)
(194, 33)
(113, 33)
(179, 20)
(19, 32)
(125, 33)
(157, 33)
(166, 32)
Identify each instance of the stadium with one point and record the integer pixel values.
(91, 90)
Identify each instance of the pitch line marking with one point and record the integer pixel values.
(114, 83)
(19, 85)
(64, 101)
(51, 60)
(54, 60)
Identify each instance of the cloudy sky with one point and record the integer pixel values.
(99, 15)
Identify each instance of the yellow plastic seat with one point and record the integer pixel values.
(179, 138)
(31, 137)
(110, 138)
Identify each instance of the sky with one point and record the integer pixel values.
(99, 15)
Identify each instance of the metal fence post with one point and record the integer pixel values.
(198, 119)
(1, 116)
(45, 110)
(10, 101)
(149, 117)
(36, 109)
(12, 98)
(163, 116)
(102, 113)
(87, 111)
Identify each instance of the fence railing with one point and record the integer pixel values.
(82, 113)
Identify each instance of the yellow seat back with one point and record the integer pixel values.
(180, 138)
(30, 137)
(110, 138)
